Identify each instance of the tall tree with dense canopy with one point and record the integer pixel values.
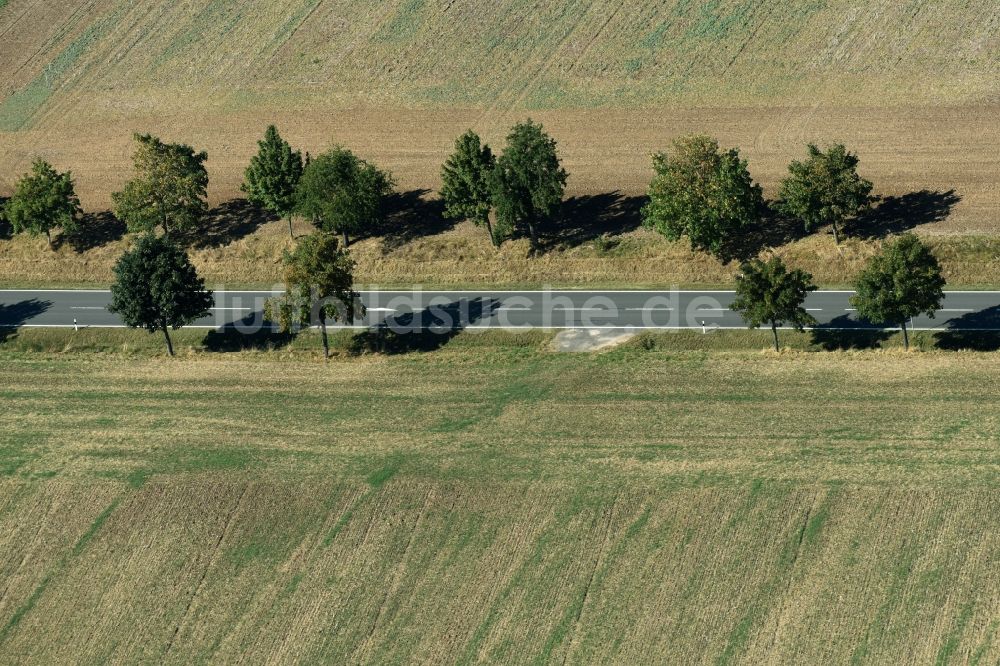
(342, 194)
(157, 288)
(825, 189)
(902, 282)
(528, 181)
(319, 279)
(43, 200)
(465, 185)
(703, 193)
(273, 176)
(768, 293)
(168, 190)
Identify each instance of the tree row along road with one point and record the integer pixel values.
(450, 310)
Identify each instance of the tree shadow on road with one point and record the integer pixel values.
(975, 331)
(423, 331)
(407, 216)
(13, 316)
(585, 218)
(844, 333)
(894, 215)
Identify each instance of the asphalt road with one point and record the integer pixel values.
(407, 310)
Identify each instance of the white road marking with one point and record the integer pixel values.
(585, 309)
(90, 307)
(647, 309)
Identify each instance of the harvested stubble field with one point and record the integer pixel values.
(910, 86)
(494, 501)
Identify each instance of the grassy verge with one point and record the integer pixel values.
(461, 258)
(127, 343)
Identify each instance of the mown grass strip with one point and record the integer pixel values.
(24, 609)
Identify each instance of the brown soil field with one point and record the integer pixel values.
(938, 168)
(903, 150)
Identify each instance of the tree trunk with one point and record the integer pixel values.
(774, 332)
(48, 235)
(906, 338)
(166, 335)
(291, 234)
(322, 329)
(345, 239)
(489, 230)
(836, 233)
(533, 233)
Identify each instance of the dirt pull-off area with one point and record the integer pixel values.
(590, 339)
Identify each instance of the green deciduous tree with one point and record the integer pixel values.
(902, 282)
(319, 277)
(273, 175)
(341, 193)
(768, 293)
(157, 288)
(702, 193)
(825, 189)
(465, 180)
(168, 189)
(43, 200)
(528, 182)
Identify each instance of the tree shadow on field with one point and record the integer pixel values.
(844, 333)
(93, 230)
(894, 215)
(773, 229)
(229, 222)
(252, 333)
(407, 216)
(425, 330)
(585, 218)
(15, 315)
(975, 331)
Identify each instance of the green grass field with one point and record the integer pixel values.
(674, 499)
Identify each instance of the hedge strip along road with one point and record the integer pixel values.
(450, 310)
